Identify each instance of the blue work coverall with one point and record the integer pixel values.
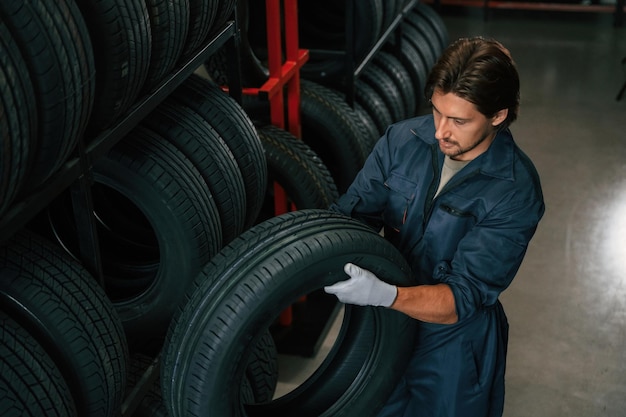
(472, 236)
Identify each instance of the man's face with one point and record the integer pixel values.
(462, 131)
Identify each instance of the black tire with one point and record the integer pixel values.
(120, 33)
(54, 42)
(18, 119)
(262, 372)
(298, 170)
(234, 126)
(259, 384)
(169, 24)
(330, 128)
(239, 293)
(31, 385)
(381, 81)
(422, 25)
(401, 78)
(373, 104)
(413, 61)
(435, 21)
(421, 43)
(166, 187)
(157, 226)
(208, 152)
(202, 15)
(390, 10)
(371, 131)
(56, 300)
(225, 11)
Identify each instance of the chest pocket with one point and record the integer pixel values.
(401, 194)
(452, 218)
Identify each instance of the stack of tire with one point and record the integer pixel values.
(389, 88)
(63, 350)
(186, 181)
(71, 69)
(47, 68)
(167, 197)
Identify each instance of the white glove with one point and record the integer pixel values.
(363, 288)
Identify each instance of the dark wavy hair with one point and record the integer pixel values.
(480, 71)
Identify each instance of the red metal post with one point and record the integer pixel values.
(283, 76)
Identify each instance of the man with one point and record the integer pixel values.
(461, 201)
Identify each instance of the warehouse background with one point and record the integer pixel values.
(144, 251)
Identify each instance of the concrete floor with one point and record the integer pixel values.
(567, 305)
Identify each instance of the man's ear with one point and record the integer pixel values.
(499, 117)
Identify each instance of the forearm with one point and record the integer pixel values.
(428, 303)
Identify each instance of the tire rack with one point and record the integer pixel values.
(76, 174)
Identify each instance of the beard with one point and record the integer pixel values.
(455, 150)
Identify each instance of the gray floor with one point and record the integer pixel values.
(567, 305)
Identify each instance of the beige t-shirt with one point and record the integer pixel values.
(450, 168)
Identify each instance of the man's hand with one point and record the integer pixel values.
(363, 288)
